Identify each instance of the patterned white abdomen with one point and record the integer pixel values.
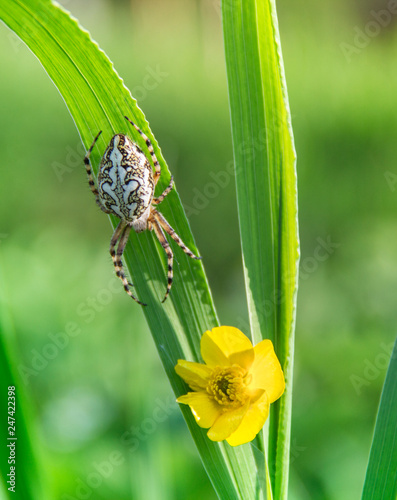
(125, 179)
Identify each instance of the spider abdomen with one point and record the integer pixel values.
(125, 179)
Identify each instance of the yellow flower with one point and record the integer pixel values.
(233, 390)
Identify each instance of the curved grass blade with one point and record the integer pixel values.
(381, 478)
(98, 100)
(266, 194)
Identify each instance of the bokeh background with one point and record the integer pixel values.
(100, 403)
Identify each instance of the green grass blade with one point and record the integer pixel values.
(98, 100)
(266, 192)
(28, 473)
(381, 478)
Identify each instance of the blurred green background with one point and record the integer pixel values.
(104, 418)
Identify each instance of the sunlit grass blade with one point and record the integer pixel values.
(381, 478)
(98, 100)
(266, 192)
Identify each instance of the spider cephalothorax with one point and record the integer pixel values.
(126, 189)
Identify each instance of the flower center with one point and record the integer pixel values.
(228, 386)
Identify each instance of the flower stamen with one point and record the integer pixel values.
(228, 386)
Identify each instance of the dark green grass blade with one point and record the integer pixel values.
(381, 478)
(28, 473)
(266, 193)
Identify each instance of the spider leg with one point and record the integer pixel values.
(167, 190)
(157, 168)
(164, 243)
(87, 164)
(91, 180)
(121, 234)
(158, 217)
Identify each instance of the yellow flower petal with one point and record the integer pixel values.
(242, 358)
(256, 395)
(223, 342)
(266, 371)
(251, 424)
(196, 375)
(211, 352)
(227, 423)
(205, 410)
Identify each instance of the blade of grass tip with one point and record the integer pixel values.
(381, 477)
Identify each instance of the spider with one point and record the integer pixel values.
(125, 189)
